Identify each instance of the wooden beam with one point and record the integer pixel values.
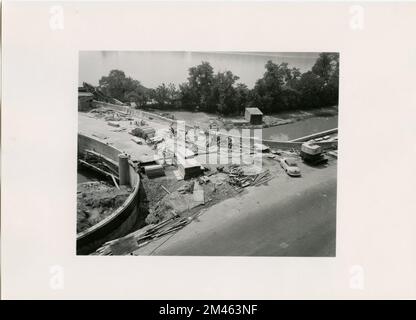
(92, 167)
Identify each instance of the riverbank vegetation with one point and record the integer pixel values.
(282, 88)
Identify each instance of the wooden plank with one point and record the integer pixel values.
(101, 156)
(115, 182)
(163, 187)
(88, 165)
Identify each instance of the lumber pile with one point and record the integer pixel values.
(142, 237)
(237, 178)
(145, 132)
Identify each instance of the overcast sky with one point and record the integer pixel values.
(154, 68)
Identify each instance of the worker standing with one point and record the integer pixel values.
(230, 143)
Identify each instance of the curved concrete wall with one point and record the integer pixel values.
(315, 135)
(120, 222)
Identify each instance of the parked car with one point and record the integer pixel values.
(290, 166)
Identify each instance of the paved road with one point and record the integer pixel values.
(289, 217)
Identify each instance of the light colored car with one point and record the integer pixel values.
(290, 166)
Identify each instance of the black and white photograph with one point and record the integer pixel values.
(207, 156)
(207, 153)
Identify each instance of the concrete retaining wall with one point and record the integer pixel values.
(90, 143)
(316, 135)
(120, 222)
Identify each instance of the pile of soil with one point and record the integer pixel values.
(96, 201)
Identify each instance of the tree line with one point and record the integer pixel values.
(282, 88)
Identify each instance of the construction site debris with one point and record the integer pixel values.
(154, 171)
(113, 124)
(144, 132)
(132, 242)
(167, 191)
(156, 140)
(187, 187)
(261, 148)
(115, 182)
(240, 179)
(203, 180)
(138, 140)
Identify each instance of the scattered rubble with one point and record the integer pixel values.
(172, 204)
(109, 115)
(241, 178)
(140, 238)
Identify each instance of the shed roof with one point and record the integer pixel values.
(254, 111)
(85, 94)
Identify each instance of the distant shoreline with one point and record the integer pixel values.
(269, 120)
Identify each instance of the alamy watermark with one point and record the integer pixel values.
(238, 147)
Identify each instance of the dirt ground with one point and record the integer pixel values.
(97, 200)
(214, 186)
(181, 199)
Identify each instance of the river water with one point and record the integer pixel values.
(284, 132)
(153, 68)
(300, 128)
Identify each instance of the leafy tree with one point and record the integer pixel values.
(115, 85)
(224, 92)
(120, 87)
(242, 97)
(140, 98)
(275, 91)
(166, 96)
(280, 88)
(326, 68)
(310, 86)
(187, 96)
(200, 82)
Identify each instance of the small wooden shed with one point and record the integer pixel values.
(254, 115)
(85, 100)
